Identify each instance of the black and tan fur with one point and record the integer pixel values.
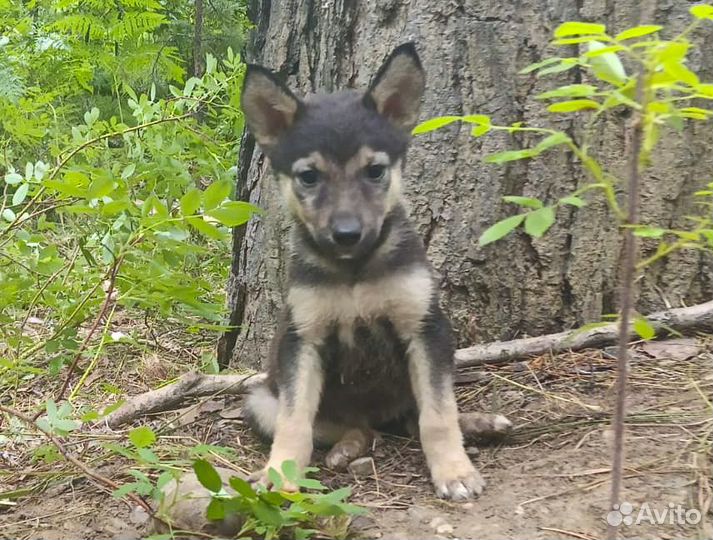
(364, 342)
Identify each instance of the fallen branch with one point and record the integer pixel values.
(193, 385)
(190, 385)
(698, 317)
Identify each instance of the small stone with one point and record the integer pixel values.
(446, 528)
(138, 516)
(184, 503)
(420, 514)
(472, 451)
(362, 467)
(467, 506)
(441, 525)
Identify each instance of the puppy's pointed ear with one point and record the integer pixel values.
(269, 106)
(398, 87)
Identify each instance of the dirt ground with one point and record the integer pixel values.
(550, 479)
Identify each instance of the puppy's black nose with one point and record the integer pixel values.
(346, 231)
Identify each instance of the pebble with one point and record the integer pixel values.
(441, 526)
(420, 514)
(138, 516)
(362, 467)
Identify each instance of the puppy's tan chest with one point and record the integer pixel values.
(403, 299)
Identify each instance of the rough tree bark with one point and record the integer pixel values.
(472, 51)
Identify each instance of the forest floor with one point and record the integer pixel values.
(550, 479)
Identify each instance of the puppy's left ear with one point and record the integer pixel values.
(398, 87)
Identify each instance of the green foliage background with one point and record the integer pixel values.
(116, 171)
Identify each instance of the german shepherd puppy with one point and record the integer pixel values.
(363, 342)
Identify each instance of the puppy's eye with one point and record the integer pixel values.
(375, 173)
(308, 178)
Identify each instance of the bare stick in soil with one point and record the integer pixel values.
(102, 312)
(626, 300)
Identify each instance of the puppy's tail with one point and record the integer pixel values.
(260, 411)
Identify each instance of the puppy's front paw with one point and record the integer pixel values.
(262, 477)
(457, 482)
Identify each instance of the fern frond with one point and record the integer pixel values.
(80, 25)
(11, 86)
(136, 23)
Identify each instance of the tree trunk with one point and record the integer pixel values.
(472, 51)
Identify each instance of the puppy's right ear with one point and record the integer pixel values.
(269, 106)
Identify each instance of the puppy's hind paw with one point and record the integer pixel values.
(484, 425)
(460, 487)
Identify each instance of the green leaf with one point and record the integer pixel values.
(552, 140)
(100, 186)
(681, 73)
(702, 11)
(573, 200)
(579, 28)
(528, 202)
(510, 155)
(207, 475)
(267, 514)
(215, 510)
(147, 455)
(216, 193)
(8, 215)
(128, 171)
(205, 228)
(567, 63)
(275, 478)
(607, 67)
(242, 487)
(643, 328)
(538, 222)
(538, 65)
(190, 202)
(311, 483)
(638, 31)
(649, 232)
(124, 490)
(304, 534)
(479, 130)
(570, 91)
(573, 105)
(434, 124)
(480, 119)
(233, 213)
(290, 471)
(576, 40)
(696, 113)
(13, 178)
(482, 124)
(603, 51)
(142, 437)
(73, 183)
(19, 196)
(500, 229)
